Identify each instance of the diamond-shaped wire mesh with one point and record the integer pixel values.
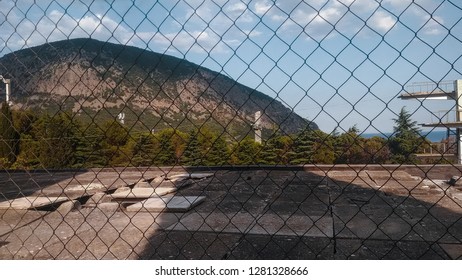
(239, 129)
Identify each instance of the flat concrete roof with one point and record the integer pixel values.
(304, 212)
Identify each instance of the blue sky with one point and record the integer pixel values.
(337, 62)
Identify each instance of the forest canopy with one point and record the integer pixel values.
(35, 141)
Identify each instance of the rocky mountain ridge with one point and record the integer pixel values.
(100, 80)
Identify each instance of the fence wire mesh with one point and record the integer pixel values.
(213, 129)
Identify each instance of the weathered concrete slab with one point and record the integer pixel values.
(167, 204)
(184, 176)
(171, 184)
(178, 177)
(31, 202)
(90, 187)
(142, 184)
(97, 199)
(122, 189)
(142, 193)
(69, 206)
(108, 206)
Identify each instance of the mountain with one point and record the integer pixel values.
(98, 80)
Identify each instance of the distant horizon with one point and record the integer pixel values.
(432, 135)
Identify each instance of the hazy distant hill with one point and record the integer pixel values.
(99, 80)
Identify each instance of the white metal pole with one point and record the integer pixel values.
(8, 91)
(257, 127)
(458, 92)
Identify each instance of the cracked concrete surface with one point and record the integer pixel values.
(377, 212)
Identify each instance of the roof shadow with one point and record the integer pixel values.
(325, 214)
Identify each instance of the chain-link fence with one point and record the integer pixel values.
(239, 129)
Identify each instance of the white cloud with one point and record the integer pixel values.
(262, 7)
(253, 33)
(303, 17)
(382, 21)
(279, 17)
(57, 25)
(434, 26)
(239, 11)
(215, 24)
(206, 12)
(331, 15)
(317, 24)
(237, 8)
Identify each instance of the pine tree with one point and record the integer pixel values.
(89, 151)
(142, 150)
(113, 146)
(57, 140)
(246, 152)
(406, 140)
(376, 150)
(192, 155)
(405, 126)
(164, 151)
(323, 148)
(28, 146)
(312, 147)
(349, 147)
(28, 157)
(276, 150)
(303, 148)
(218, 154)
(9, 137)
(269, 152)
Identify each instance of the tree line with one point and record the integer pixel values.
(29, 141)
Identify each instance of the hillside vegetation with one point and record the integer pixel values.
(35, 141)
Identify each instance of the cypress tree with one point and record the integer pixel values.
(9, 137)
